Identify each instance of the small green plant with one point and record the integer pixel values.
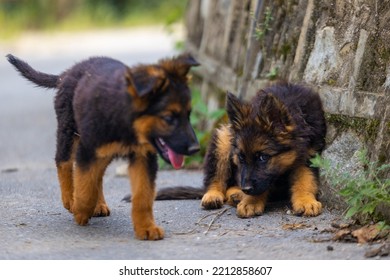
(262, 28)
(200, 115)
(365, 190)
(272, 74)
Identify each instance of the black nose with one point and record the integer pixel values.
(247, 189)
(194, 148)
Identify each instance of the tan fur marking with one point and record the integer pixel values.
(86, 190)
(251, 206)
(138, 103)
(144, 125)
(101, 209)
(174, 107)
(133, 93)
(215, 195)
(172, 66)
(235, 159)
(65, 177)
(162, 82)
(155, 72)
(112, 149)
(290, 128)
(303, 192)
(143, 190)
(224, 146)
(283, 161)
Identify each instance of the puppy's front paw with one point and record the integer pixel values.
(101, 210)
(247, 209)
(81, 214)
(151, 232)
(81, 219)
(68, 204)
(234, 196)
(307, 206)
(213, 199)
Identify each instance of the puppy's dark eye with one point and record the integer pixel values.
(241, 157)
(169, 119)
(263, 158)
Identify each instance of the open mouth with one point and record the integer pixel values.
(176, 160)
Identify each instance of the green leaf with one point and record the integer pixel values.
(351, 212)
(217, 114)
(369, 208)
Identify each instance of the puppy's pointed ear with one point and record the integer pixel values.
(180, 65)
(237, 111)
(274, 116)
(144, 80)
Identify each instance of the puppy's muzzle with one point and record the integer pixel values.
(194, 148)
(248, 190)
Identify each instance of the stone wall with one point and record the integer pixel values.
(340, 48)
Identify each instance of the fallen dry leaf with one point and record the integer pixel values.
(343, 235)
(294, 226)
(366, 234)
(340, 226)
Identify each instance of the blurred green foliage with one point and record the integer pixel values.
(200, 116)
(17, 16)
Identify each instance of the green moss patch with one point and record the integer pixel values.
(368, 128)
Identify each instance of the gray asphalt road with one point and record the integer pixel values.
(34, 225)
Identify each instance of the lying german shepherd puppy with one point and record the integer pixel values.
(263, 153)
(104, 110)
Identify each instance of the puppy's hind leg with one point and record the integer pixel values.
(67, 142)
(66, 147)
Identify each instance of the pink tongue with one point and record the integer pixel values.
(176, 159)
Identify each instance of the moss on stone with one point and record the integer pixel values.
(368, 128)
(331, 82)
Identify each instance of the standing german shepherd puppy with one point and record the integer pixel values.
(105, 109)
(265, 150)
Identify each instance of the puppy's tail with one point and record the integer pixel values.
(38, 78)
(175, 193)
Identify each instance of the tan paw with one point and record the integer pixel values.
(68, 204)
(307, 207)
(152, 232)
(101, 210)
(247, 209)
(81, 214)
(213, 199)
(234, 196)
(81, 219)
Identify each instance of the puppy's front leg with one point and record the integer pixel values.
(303, 192)
(87, 180)
(142, 173)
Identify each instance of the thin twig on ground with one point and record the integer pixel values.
(209, 225)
